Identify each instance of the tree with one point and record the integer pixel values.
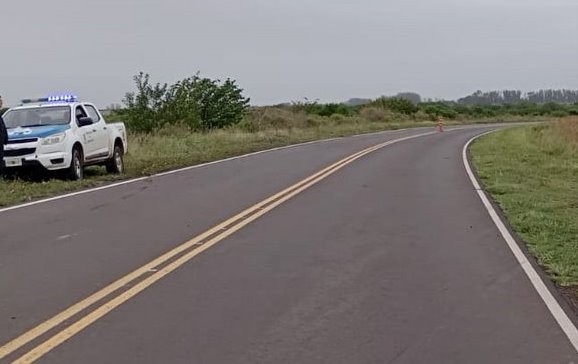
(413, 97)
(143, 106)
(199, 103)
(510, 97)
(395, 104)
(219, 105)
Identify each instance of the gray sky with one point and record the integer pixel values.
(286, 50)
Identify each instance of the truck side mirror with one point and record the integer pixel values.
(84, 121)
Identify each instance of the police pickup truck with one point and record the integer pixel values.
(61, 133)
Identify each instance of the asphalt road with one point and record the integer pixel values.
(391, 259)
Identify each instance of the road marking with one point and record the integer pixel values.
(196, 247)
(184, 169)
(555, 309)
(175, 171)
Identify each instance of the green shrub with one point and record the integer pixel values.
(315, 108)
(437, 109)
(559, 113)
(398, 105)
(199, 103)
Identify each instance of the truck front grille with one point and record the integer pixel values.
(22, 141)
(19, 152)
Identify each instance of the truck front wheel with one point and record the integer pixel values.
(76, 169)
(116, 163)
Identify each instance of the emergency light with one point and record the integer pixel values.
(54, 98)
(65, 98)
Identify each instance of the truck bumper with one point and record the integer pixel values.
(49, 161)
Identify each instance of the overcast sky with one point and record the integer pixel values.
(285, 50)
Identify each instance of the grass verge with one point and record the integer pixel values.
(532, 173)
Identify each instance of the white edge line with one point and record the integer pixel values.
(184, 169)
(555, 309)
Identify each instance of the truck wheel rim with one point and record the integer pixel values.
(118, 161)
(77, 168)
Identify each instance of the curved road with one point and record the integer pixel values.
(387, 258)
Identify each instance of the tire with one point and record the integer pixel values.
(75, 171)
(116, 163)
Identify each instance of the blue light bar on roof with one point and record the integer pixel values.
(54, 98)
(59, 98)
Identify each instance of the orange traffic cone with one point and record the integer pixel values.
(440, 124)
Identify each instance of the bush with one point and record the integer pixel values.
(378, 114)
(398, 105)
(340, 119)
(437, 109)
(272, 117)
(199, 103)
(333, 109)
(559, 113)
(143, 106)
(315, 108)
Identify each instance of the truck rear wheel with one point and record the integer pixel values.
(116, 163)
(76, 169)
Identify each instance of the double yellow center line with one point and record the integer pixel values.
(115, 294)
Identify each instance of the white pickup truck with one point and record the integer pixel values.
(61, 133)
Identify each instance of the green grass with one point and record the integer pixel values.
(174, 147)
(532, 173)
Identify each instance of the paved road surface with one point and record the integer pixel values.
(392, 259)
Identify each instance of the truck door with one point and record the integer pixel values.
(86, 134)
(100, 133)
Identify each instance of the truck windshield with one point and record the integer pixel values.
(37, 116)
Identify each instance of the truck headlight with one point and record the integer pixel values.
(53, 139)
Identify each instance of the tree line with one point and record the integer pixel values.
(200, 103)
(517, 97)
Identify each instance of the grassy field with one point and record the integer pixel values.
(532, 172)
(173, 147)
